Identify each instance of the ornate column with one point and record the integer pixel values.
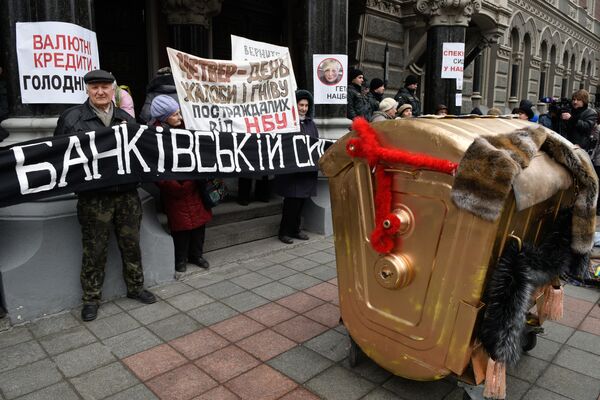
(320, 27)
(190, 24)
(448, 20)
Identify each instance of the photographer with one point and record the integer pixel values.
(580, 121)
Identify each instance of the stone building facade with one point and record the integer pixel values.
(515, 49)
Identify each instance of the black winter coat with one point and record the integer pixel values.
(300, 184)
(580, 126)
(358, 104)
(404, 96)
(164, 84)
(82, 118)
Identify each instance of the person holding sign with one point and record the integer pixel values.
(182, 199)
(98, 210)
(296, 188)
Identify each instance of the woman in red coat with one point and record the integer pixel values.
(182, 200)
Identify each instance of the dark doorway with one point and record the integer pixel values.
(261, 20)
(121, 33)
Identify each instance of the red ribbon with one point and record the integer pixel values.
(367, 146)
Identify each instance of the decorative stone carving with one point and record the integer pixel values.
(390, 7)
(504, 52)
(197, 12)
(448, 12)
(560, 22)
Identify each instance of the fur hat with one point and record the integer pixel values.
(163, 107)
(403, 108)
(353, 73)
(387, 104)
(410, 80)
(376, 83)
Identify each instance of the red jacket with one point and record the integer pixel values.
(183, 205)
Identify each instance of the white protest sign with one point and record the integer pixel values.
(246, 49)
(329, 77)
(453, 60)
(236, 96)
(53, 57)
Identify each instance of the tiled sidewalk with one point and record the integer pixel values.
(266, 328)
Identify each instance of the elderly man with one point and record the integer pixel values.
(98, 209)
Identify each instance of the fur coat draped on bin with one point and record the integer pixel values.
(300, 184)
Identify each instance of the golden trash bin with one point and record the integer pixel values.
(415, 309)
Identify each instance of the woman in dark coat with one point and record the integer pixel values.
(296, 188)
(182, 199)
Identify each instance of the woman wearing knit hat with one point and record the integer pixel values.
(387, 110)
(358, 104)
(182, 200)
(405, 111)
(408, 95)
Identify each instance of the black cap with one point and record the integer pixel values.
(376, 83)
(410, 80)
(353, 73)
(98, 76)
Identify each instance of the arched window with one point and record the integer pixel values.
(514, 72)
(582, 83)
(565, 80)
(572, 77)
(526, 66)
(552, 70)
(543, 70)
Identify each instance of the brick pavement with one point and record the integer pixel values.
(265, 328)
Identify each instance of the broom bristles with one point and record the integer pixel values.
(552, 308)
(495, 380)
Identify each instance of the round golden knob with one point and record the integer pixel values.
(393, 271)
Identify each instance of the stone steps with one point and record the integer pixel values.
(235, 233)
(233, 224)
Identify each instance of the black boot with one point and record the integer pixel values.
(89, 312)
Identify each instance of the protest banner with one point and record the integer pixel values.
(453, 60)
(243, 49)
(53, 57)
(329, 77)
(131, 153)
(236, 96)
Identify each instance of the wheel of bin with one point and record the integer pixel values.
(529, 341)
(353, 353)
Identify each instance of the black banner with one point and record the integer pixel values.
(136, 153)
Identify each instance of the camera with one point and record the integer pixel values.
(564, 105)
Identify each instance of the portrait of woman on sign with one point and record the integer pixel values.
(330, 71)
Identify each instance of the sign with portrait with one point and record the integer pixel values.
(330, 78)
(236, 96)
(53, 57)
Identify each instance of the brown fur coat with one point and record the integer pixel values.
(490, 165)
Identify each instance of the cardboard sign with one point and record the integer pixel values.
(330, 78)
(453, 60)
(53, 57)
(236, 96)
(243, 49)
